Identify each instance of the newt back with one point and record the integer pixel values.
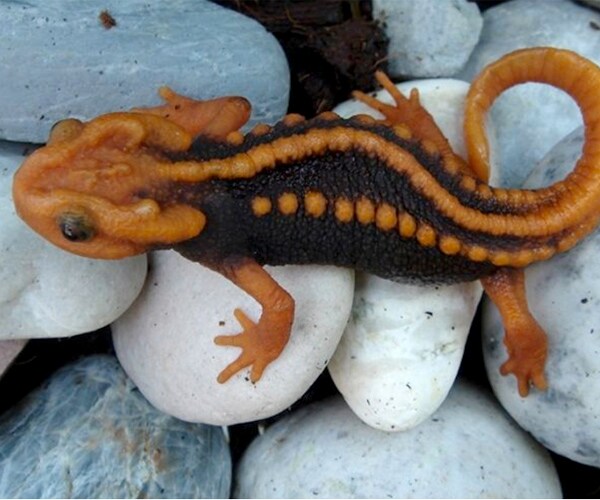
(346, 208)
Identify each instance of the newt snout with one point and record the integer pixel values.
(92, 190)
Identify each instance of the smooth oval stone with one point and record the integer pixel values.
(442, 49)
(59, 59)
(532, 118)
(564, 295)
(402, 349)
(165, 340)
(468, 449)
(88, 433)
(47, 292)
(403, 345)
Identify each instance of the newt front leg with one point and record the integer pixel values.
(261, 342)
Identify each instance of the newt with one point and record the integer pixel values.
(386, 196)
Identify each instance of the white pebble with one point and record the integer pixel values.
(468, 449)
(165, 341)
(430, 37)
(401, 350)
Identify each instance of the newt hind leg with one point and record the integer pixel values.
(409, 112)
(261, 342)
(525, 340)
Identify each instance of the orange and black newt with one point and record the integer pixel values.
(389, 197)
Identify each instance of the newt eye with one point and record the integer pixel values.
(76, 227)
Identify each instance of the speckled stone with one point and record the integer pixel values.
(468, 449)
(564, 294)
(46, 292)
(403, 345)
(58, 60)
(165, 341)
(88, 433)
(531, 119)
(440, 49)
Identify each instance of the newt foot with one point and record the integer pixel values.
(259, 347)
(526, 361)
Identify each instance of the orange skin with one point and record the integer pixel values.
(98, 189)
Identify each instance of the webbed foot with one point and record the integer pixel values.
(527, 353)
(525, 340)
(261, 343)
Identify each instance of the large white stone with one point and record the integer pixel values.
(46, 292)
(165, 340)
(58, 60)
(428, 38)
(401, 350)
(403, 345)
(468, 449)
(532, 118)
(564, 294)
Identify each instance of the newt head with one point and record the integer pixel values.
(95, 188)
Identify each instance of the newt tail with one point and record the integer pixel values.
(388, 197)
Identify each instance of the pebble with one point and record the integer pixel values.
(61, 59)
(47, 292)
(165, 340)
(88, 433)
(531, 119)
(468, 449)
(564, 294)
(404, 343)
(442, 49)
(9, 350)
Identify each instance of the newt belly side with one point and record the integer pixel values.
(387, 196)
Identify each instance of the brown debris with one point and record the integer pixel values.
(333, 46)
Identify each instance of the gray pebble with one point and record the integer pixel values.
(88, 433)
(58, 60)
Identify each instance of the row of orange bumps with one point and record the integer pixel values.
(386, 218)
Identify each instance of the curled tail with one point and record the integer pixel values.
(568, 210)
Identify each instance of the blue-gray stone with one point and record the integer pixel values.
(564, 295)
(89, 433)
(58, 60)
(531, 119)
